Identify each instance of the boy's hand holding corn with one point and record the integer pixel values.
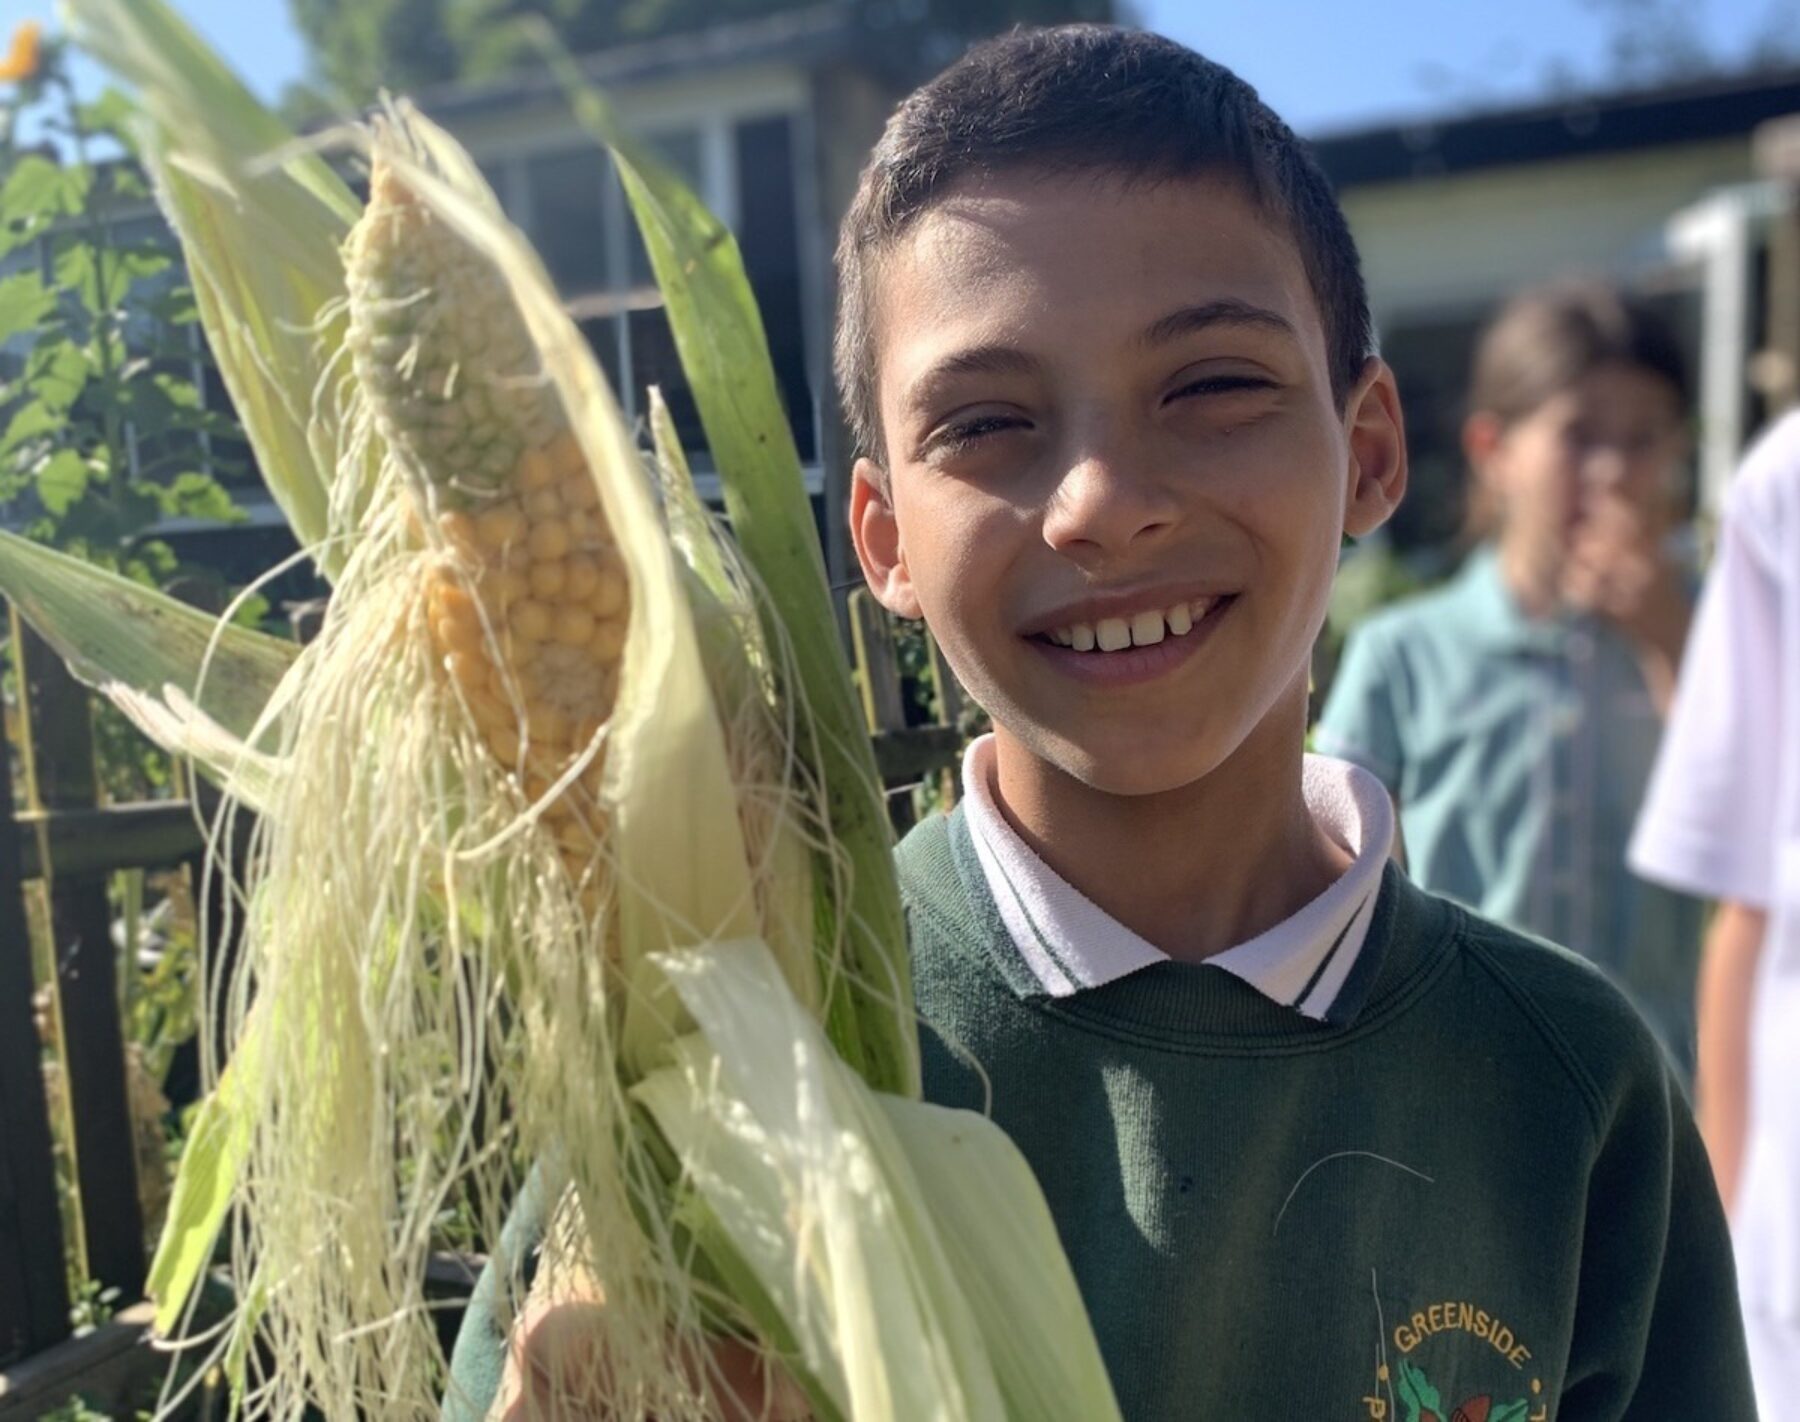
(555, 1357)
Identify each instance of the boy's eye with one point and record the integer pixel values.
(960, 434)
(1221, 385)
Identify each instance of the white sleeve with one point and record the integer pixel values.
(1708, 822)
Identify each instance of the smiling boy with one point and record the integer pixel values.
(1318, 1144)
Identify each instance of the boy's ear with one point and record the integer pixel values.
(1377, 431)
(876, 533)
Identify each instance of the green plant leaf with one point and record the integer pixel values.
(31, 421)
(58, 373)
(911, 1287)
(1008, 1260)
(204, 1183)
(24, 303)
(146, 652)
(74, 268)
(195, 495)
(38, 191)
(61, 480)
(719, 335)
(260, 221)
(109, 114)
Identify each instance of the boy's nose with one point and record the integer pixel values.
(1107, 504)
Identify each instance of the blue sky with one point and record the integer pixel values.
(1323, 64)
(1330, 64)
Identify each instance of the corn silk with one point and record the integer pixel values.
(568, 853)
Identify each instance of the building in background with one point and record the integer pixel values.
(1659, 189)
(771, 119)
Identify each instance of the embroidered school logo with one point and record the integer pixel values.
(1404, 1391)
(1421, 1402)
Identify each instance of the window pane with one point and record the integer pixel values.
(231, 460)
(566, 216)
(602, 334)
(654, 362)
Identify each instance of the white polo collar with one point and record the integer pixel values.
(1070, 943)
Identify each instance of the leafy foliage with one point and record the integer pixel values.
(104, 433)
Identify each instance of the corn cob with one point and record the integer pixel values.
(528, 601)
(418, 992)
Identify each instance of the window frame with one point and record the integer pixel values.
(713, 119)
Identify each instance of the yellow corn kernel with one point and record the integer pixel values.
(534, 471)
(608, 642)
(547, 580)
(447, 596)
(469, 669)
(578, 491)
(529, 620)
(503, 741)
(506, 586)
(565, 453)
(457, 637)
(543, 504)
(574, 625)
(458, 530)
(583, 577)
(608, 596)
(584, 530)
(549, 728)
(490, 712)
(500, 526)
(549, 539)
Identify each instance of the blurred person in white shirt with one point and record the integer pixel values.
(1722, 819)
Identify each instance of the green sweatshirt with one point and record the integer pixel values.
(1481, 1200)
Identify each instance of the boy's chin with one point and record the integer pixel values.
(1133, 767)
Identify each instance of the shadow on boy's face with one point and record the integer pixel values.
(1108, 415)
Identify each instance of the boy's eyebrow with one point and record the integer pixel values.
(1227, 311)
(973, 360)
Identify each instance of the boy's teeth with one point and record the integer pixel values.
(1146, 629)
(1141, 629)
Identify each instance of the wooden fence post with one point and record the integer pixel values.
(62, 774)
(34, 1296)
(878, 681)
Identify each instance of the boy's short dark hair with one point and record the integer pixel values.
(1546, 339)
(1088, 98)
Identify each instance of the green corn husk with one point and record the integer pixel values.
(684, 1039)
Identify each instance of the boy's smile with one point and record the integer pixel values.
(1116, 475)
(1120, 641)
